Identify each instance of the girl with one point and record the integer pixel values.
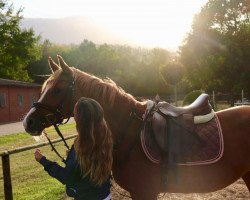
(89, 161)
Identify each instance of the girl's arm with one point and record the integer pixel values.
(62, 174)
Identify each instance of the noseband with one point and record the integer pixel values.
(57, 114)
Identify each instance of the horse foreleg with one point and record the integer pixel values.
(143, 196)
(246, 179)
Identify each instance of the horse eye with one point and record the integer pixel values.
(57, 91)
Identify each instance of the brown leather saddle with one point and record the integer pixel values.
(181, 135)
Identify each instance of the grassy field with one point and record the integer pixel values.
(29, 180)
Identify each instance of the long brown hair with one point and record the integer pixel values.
(94, 143)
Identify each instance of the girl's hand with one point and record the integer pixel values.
(38, 155)
(67, 152)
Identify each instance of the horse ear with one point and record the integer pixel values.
(64, 65)
(53, 65)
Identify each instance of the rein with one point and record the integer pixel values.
(61, 135)
(53, 147)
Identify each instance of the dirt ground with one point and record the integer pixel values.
(236, 191)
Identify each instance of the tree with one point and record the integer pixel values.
(172, 74)
(216, 53)
(38, 68)
(17, 47)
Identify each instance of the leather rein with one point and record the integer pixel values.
(58, 116)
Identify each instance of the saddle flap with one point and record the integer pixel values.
(159, 128)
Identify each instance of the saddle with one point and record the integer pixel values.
(200, 106)
(181, 135)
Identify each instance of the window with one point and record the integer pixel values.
(20, 99)
(32, 99)
(2, 100)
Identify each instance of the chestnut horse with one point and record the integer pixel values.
(131, 168)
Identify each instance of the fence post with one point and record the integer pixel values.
(7, 177)
(214, 103)
(242, 97)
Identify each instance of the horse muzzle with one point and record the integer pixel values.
(33, 125)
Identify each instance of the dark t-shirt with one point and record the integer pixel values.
(77, 187)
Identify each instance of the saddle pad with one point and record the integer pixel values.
(193, 153)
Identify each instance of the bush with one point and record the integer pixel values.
(190, 97)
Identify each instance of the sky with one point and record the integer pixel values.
(149, 23)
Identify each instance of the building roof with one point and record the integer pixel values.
(8, 82)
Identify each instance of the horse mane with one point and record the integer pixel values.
(104, 89)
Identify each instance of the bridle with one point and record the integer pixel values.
(57, 115)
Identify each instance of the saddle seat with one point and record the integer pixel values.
(199, 107)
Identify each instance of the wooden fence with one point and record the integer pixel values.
(6, 163)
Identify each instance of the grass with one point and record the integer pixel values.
(29, 180)
(23, 139)
(222, 106)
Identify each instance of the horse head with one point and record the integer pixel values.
(56, 101)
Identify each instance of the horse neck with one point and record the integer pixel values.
(117, 109)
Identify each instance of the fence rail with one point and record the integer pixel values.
(6, 163)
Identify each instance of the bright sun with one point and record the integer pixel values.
(150, 23)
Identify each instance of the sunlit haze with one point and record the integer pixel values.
(149, 23)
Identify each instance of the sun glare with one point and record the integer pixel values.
(150, 23)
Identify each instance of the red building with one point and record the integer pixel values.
(16, 99)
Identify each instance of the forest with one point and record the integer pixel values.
(214, 56)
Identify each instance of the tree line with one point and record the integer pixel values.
(134, 69)
(215, 54)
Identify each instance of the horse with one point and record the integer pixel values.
(131, 168)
